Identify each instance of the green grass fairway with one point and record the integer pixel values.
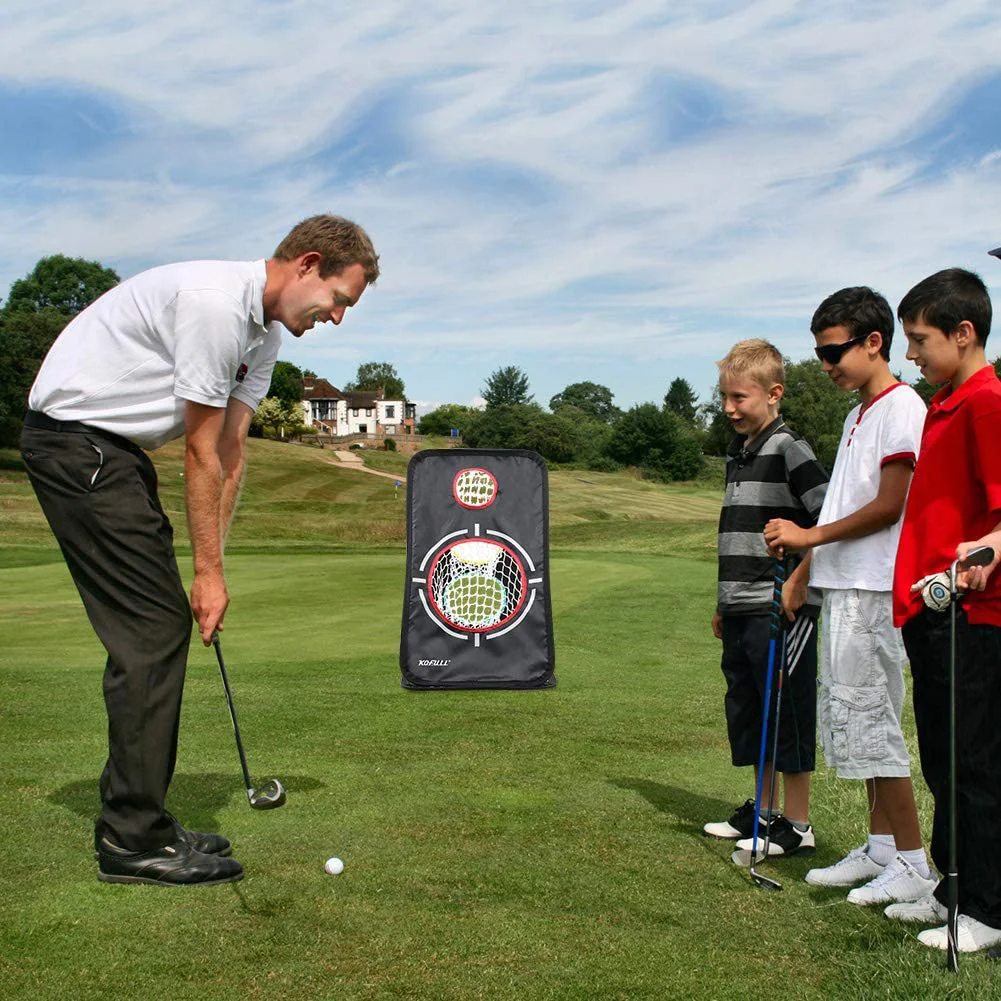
(498, 845)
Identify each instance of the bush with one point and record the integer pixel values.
(389, 445)
(603, 464)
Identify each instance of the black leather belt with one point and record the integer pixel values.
(36, 419)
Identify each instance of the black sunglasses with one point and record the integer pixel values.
(832, 353)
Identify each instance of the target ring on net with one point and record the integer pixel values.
(477, 585)
(474, 488)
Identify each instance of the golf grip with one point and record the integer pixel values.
(232, 711)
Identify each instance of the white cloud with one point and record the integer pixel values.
(628, 187)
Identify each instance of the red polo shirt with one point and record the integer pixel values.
(955, 494)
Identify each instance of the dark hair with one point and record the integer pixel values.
(861, 310)
(947, 298)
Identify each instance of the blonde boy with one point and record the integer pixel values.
(770, 472)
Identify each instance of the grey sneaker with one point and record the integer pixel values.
(899, 882)
(923, 911)
(855, 867)
(972, 935)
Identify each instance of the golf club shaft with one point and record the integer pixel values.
(952, 876)
(232, 714)
(776, 622)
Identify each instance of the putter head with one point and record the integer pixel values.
(270, 796)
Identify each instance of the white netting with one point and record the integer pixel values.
(476, 585)
(475, 488)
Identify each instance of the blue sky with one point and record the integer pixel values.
(604, 192)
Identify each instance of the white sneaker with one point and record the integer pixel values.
(972, 935)
(855, 867)
(924, 911)
(899, 881)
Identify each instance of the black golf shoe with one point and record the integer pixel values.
(177, 864)
(208, 844)
(740, 824)
(785, 839)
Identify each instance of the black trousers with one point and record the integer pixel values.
(978, 751)
(99, 494)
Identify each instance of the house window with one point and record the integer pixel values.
(354, 413)
(390, 429)
(368, 411)
(390, 412)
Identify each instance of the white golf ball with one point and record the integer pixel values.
(936, 593)
(334, 866)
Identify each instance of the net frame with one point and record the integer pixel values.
(491, 574)
(474, 488)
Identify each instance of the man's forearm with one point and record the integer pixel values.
(203, 477)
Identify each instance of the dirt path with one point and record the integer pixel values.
(352, 460)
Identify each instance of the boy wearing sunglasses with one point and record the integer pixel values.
(852, 547)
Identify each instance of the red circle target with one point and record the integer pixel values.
(477, 585)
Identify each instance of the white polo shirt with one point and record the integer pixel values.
(886, 429)
(190, 331)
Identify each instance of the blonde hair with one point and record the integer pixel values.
(339, 242)
(755, 359)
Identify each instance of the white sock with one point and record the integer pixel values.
(882, 848)
(917, 859)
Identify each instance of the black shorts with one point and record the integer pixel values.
(746, 640)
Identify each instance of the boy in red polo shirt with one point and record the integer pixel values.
(955, 495)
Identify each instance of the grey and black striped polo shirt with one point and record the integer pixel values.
(777, 477)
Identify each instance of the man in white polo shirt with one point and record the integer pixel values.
(185, 349)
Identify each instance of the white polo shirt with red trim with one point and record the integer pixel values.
(886, 429)
(191, 331)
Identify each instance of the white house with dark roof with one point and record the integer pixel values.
(348, 412)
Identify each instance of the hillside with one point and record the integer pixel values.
(302, 497)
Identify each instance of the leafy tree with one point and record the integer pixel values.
(286, 383)
(36, 310)
(446, 417)
(506, 387)
(718, 429)
(657, 441)
(378, 375)
(278, 415)
(308, 373)
(682, 400)
(588, 397)
(925, 389)
(65, 284)
(523, 425)
(815, 407)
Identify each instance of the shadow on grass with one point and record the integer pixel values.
(195, 798)
(690, 809)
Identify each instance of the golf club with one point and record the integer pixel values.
(272, 793)
(996, 252)
(979, 557)
(741, 856)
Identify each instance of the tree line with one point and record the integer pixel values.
(581, 426)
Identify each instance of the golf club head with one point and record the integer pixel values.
(744, 858)
(978, 557)
(996, 252)
(270, 796)
(771, 885)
